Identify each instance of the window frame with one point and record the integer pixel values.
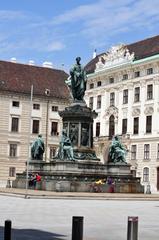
(35, 127)
(136, 125)
(125, 96)
(124, 125)
(136, 94)
(146, 151)
(97, 129)
(146, 174)
(149, 91)
(14, 124)
(149, 124)
(133, 151)
(13, 150)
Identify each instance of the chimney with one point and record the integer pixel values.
(31, 62)
(94, 53)
(47, 64)
(13, 60)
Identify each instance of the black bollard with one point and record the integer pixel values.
(77, 228)
(7, 230)
(132, 230)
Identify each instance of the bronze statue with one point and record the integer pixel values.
(117, 152)
(78, 80)
(37, 148)
(65, 149)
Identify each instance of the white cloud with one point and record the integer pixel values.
(106, 18)
(55, 46)
(11, 15)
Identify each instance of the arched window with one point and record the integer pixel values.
(111, 126)
(146, 174)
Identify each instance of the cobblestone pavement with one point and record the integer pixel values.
(51, 219)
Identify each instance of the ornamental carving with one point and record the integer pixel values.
(148, 110)
(117, 55)
(136, 112)
(112, 110)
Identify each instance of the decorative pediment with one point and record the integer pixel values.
(112, 110)
(149, 110)
(136, 112)
(117, 55)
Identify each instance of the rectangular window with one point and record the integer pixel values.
(13, 150)
(148, 124)
(137, 94)
(54, 128)
(112, 99)
(15, 104)
(54, 108)
(99, 101)
(97, 129)
(91, 102)
(136, 125)
(91, 85)
(15, 124)
(158, 151)
(35, 127)
(111, 80)
(133, 152)
(146, 174)
(146, 151)
(36, 106)
(124, 126)
(149, 71)
(99, 83)
(52, 152)
(137, 74)
(149, 91)
(12, 172)
(125, 76)
(125, 96)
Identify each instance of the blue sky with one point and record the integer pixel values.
(59, 30)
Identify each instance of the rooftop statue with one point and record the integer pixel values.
(117, 152)
(37, 148)
(78, 80)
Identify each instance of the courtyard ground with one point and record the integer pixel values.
(51, 218)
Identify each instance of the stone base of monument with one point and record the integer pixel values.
(79, 176)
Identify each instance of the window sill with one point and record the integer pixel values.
(147, 160)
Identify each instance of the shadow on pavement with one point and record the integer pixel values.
(32, 234)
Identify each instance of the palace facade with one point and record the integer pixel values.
(123, 88)
(30, 98)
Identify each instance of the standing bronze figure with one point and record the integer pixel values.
(78, 80)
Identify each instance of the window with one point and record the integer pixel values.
(54, 128)
(146, 174)
(99, 101)
(36, 106)
(149, 71)
(137, 94)
(15, 124)
(12, 171)
(111, 127)
(99, 83)
(124, 126)
(148, 124)
(112, 99)
(54, 108)
(146, 151)
(91, 102)
(158, 151)
(52, 152)
(13, 150)
(125, 96)
(15, 104)
(133, 152)
(149, 91)
(111, 80)
(97, 129)
(137, 74)
(125, 76)
(136, 125)
(91, 85)
(35, 127)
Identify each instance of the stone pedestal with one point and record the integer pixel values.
(78, 123)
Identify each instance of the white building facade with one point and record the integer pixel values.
(123, 88)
